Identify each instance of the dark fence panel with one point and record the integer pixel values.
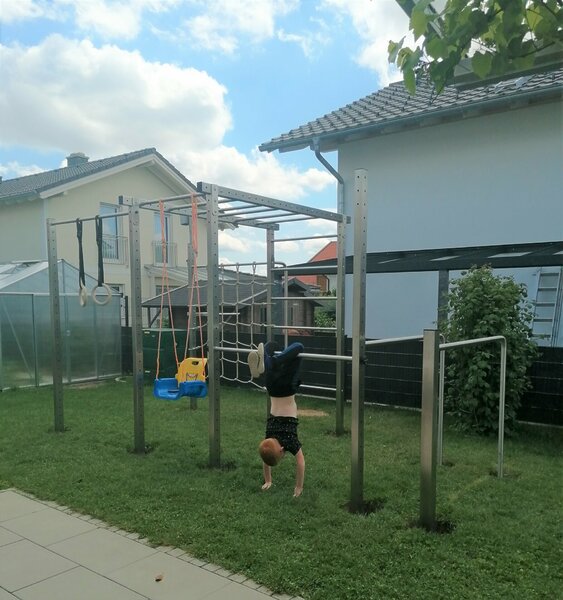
(544, 402)
(393, 371)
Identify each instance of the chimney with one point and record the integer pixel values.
(76, 158)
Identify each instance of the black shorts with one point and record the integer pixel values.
(284, 429)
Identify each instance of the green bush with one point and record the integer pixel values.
(481, 304)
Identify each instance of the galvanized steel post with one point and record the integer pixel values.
(137, 329)
(340, 308)
(57, 349)
(358, 339)
(213, 324)
(429, 429)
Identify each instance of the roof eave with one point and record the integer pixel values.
(153, 159)
(330, 141)
(20, 198)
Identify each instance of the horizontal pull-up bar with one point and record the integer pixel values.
(70, 221)
(392, 340)
(472, 342)
(304, 327)
(315, 298)
(312, 237)
(327, 357)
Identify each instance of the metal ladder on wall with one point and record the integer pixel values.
(548, 304)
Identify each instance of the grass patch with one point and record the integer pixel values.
(503, 536)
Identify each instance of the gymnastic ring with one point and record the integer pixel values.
(82, 295)
(106, 298)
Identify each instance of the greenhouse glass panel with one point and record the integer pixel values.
(44, 340)
(108, 331)
(79, 340)
(17, 347)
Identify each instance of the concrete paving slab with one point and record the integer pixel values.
(14, 505)
(48, 526)
(77, 584)
(24, 563)
(68, 558)
(8, 537)
(178, 578)
(102, 551)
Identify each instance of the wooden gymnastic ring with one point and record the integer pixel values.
(106, 298)
(82, 295)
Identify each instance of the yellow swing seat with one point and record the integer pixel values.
(189, 381)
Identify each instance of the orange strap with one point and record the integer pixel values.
(166, 289)
(195, 280)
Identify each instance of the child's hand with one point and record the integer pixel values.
(267, 486)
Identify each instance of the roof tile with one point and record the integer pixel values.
(394, 102)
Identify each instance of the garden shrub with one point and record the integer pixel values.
(481, 304)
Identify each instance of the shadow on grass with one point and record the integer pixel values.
(366, 507)
(439, 527)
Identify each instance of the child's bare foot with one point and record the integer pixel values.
(297, 492)
(267, 486)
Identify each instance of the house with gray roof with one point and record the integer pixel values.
(242, 300)
(471, 167)
(85, 188)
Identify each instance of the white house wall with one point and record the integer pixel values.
(494, 179)
(22, 232)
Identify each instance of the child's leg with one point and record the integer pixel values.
(290, 353)
(282, 358)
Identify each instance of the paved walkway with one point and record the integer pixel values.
(48, 552)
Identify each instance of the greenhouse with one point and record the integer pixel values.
(91, 333)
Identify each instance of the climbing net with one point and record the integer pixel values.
(242, 307)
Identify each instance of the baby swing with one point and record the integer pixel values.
(190, 377)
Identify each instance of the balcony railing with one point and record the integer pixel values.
(158, 254)
(115, 249)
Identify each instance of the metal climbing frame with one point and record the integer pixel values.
(224, 207)
(227, 207)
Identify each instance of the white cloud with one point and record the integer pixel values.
(120, 19)
(19, 10)
(376, 22)
(66, 95)
(14, 169)
(310, 42)
(260, 172)
(221, 24)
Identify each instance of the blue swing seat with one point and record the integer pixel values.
(168, 389)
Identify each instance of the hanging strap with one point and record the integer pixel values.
(82, 292)
(165, 291)
(101, 300)
(195, 281)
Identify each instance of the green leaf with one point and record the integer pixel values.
(436, 47)
(481, 63)
(410, 82)
(418, 23)
(393, 49)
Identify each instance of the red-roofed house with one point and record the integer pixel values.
(324, 282)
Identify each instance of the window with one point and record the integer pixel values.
(110, 233)
(157, 244)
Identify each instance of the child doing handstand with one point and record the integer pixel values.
(282, 381)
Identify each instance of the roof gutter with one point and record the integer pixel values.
(411, 120)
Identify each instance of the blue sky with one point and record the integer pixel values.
(204, 81)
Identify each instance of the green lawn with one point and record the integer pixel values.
(507, 537)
